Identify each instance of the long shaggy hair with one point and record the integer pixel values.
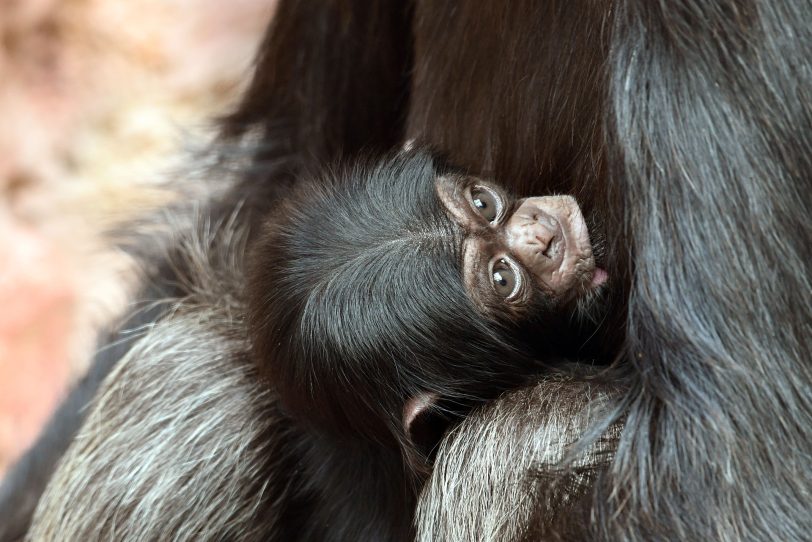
(686, 125)
(513, 471)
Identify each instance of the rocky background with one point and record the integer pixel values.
(97, 97)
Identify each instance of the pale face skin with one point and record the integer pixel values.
(514, 246)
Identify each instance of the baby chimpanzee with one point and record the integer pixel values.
(402, 286)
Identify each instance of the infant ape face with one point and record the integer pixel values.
(520, 255)
(389, 282)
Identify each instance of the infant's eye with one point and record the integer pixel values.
(505, 281)
(486, 203)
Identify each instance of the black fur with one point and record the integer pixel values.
(686, 125)
(357, 304)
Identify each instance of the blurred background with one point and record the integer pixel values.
(97, 98)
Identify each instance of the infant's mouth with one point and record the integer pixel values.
(599, 277)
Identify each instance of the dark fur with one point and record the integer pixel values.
(687, 125)
(225, 462)
(357, 305)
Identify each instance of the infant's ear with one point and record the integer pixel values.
(424, 424)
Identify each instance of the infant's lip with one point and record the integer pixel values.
(599, 276)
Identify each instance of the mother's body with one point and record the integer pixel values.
(685, 124)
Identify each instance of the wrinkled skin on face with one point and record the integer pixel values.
(515, 249)
(549, 236)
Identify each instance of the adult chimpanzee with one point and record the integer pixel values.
(685, 125)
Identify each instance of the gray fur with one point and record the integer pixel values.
(140, 471)
(505, 471)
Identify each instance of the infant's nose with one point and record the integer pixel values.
(533, 233)
(545, 229)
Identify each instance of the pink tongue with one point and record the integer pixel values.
(599, 277)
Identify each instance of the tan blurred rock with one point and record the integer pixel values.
(37, 296)
(96, 96)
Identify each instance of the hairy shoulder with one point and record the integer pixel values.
(178, 437)
(511, 469)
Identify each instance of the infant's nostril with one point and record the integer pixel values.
(544, 233)
(549, 241)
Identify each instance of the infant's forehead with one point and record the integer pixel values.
(448, 189)
(404, 182)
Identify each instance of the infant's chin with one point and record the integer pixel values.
(588, 287)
